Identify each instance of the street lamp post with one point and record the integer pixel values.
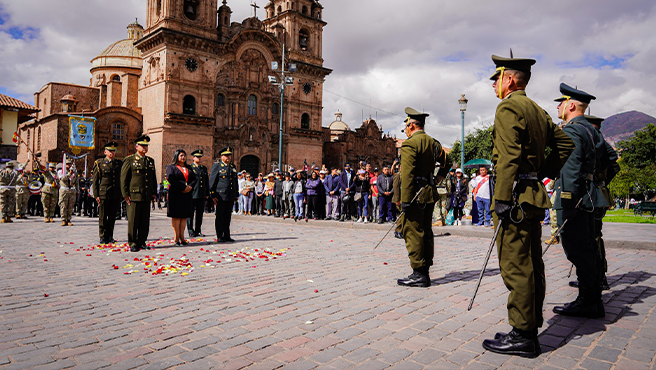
(463, 107)
(281, 87)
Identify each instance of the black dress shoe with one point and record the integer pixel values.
(604, 284)
(416, 279)
(184, 242)
(103, 241)
(574, 284)
(134, 249)
(398, 235)
(230, 240)
(200, 235)
(582, 307)
(517, 343)
(147, 247)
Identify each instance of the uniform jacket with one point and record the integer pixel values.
(106, 178)
(522, 131)
(344, 183)
(608, 172)
(223, 181)
(8, 177)
(68, 181)
(138, 178)
(202, 186)
(22, 182)
(588, 158)
(50, 183)
(418, 164)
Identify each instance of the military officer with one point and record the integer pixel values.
(106, 187)
(49, 192)
(521, 133)
(22, 191)
(8, 179)
(199, 195)
(223, 190)
(419, 154)
(577, 196)
(605, 176)
(139, 188)
(68, 189)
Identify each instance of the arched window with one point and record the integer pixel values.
(118, 132)
(305, 121)
(190, 9)
(220, 100)
(305, 10)
(252, 105)
(303, 37)
(189, 105)
(279, 9)
(116, 78)
(276, 108)
(159, 7)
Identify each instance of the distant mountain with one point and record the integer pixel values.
(622, 125)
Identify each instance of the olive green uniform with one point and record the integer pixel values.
(22, 194)
(521, 133)
(396, 198)
(440, 212)
(49, 194)
(68, 189)
(418, 158)
(139, 182)
(106, 185)
(8, 179)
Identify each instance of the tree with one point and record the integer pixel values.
(637, 165)
(478, 144)
(639, 151)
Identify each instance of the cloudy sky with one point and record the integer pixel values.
(388, 54)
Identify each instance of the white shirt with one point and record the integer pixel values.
(484, 189)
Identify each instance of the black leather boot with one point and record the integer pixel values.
(418, 278)
(517, 342)
(574, 284)
(587, 304)
(604, 284)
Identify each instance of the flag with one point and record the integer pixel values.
(15, 138)
(305, 166)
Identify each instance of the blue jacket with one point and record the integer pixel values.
(312, 186)
(331, 183)
(344, 183)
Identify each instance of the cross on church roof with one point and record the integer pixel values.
(255, 7)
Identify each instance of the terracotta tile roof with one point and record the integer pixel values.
(9, 102)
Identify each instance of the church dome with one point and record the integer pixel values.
(122, 53)
(338, 124)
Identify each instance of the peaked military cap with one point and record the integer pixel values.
(69, 161)
(9, 165)
(416, 115)
(142, 140)
(518, 64)
(111, 146)
(197, 153)
(574, 94)
(226, 151)
(594, 120)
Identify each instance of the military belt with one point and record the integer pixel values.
(587, 176)
(528, 176)
(66, 188)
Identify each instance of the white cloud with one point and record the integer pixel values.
(390, 53)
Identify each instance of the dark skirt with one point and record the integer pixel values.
(180, 205)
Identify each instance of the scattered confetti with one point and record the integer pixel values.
(316, 290)
(45, 295)
(309, 322)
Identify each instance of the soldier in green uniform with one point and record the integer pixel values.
(577, 196)
(49, 192)
(199, 194)
(138, 187)
(521, 133)
(68, 189)
(22, 191)
(605, 176)
(419, 154)
(223, 191)
(106, 188)
(8, 193)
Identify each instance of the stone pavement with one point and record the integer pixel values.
(292, 296)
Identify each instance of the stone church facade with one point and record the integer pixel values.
(205, 82)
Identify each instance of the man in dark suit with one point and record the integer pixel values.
(223, 191)
(139, 188)
(200, 193)
(106, 185)
(347, 189)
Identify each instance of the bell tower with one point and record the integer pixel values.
(197, 17)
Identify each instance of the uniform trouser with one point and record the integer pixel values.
(107, 218)
(440, 212)
(138, 223)
(7, 203)
(522, 269)
(332, 205)
(385, 208)
(49, 203)
(599, 215)
(21, 202)
(66, 203)
(198, 206)
(223, 217)
(578, 238)
(418, 234)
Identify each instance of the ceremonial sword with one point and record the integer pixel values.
(398, 218)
